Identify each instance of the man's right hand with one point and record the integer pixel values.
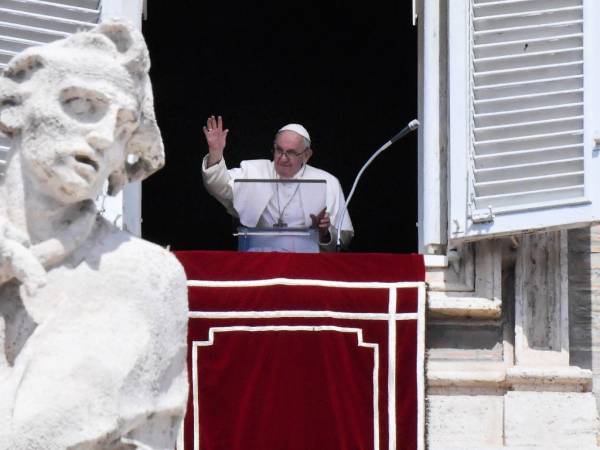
(216, 137)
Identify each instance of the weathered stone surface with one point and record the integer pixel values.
(92, 320)
(584, 301)
(541, 301)
(464, 421)
(550, 419)
(479, 340)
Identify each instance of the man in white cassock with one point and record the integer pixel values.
(284, 206)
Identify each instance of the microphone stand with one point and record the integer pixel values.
(412, 125)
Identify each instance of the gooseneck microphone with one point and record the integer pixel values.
(412, 125)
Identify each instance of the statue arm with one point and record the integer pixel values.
(28, 263)
(18, 261)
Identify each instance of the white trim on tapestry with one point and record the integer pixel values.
(305, 282)
(421, 303)
(297, 314)
(391, 316)
(392, 369)
(361, 343)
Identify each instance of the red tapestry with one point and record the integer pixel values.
(305, 351)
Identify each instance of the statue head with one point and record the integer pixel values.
(80, 112)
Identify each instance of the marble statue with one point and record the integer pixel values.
(93, 321)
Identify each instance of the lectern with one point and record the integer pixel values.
(278, 239)
(285, 228)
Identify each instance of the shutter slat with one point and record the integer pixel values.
(530, 170)
(535, 183)
(30, 33)
(529, 142)
(5, 57)
(529, 18)
(529, 87)
(531, 114)
(505, 133)
(540, 100)
(529, 73)
(90, 4)
(538, 155)
(44, 22)
(16, 45)
(521, 139)
(51, 9)
(517, 6)
(13, 47)
(527, 45)
(571, 194)
(546, 30)
(529, 60)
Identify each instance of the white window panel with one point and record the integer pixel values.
(524, 98)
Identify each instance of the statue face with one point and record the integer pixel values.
(76, 124)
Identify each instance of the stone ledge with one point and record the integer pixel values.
(475, 307)
(458, 378)
(541, 447)
(564, 379)
(435, 261)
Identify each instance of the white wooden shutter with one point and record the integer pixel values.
(24, 23)
(524, 99)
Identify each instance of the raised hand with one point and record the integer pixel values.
(216, 138)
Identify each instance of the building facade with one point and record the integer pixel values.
(509, 105)
(509, 142)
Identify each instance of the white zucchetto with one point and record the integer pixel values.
(296, 128)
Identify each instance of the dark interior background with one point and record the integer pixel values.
(348, 73)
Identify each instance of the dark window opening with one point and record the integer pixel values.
(348, 73)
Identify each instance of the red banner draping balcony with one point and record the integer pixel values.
(305, 351)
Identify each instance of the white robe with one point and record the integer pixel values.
(219, 182)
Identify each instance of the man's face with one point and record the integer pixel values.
(289, 154)
(76, 126)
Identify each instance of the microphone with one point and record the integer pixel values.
(412, 125)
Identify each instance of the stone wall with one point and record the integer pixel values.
(584, 301)
(523, 378)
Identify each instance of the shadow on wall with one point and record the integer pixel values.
(584, 299)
